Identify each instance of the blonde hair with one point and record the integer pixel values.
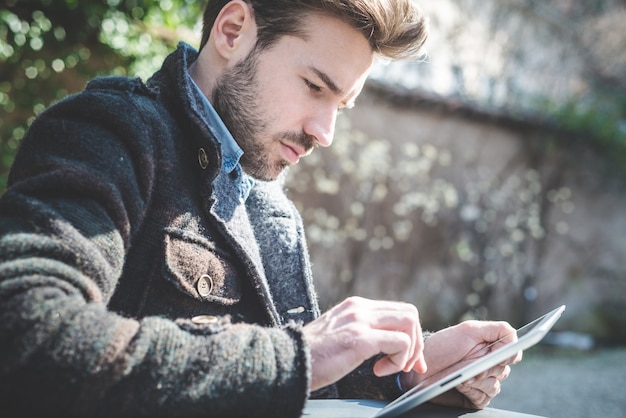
(395, 29)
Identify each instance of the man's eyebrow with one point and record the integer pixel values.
(328, 81)
(332, 86)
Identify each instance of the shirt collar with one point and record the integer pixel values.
(231, 151)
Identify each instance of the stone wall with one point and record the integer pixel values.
(466, 214)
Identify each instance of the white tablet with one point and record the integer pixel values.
(457, 373)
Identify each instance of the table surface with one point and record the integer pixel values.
(357, 408)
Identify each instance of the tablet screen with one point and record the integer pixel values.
(473, 364)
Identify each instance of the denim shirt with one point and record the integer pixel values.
(231, 151)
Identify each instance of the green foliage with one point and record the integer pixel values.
(51, 48)
(599, 119)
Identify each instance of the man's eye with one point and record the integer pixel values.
(313, 87)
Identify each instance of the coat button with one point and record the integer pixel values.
(204, 319)
(205, 285)
(203, 159)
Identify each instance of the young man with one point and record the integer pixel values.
(150, 263)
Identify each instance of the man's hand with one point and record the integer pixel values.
(358, 329)
(465, 341)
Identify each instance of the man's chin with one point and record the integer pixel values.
(267, 174)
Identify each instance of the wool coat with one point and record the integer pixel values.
(134, 281)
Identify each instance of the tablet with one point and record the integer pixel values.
(450, 377)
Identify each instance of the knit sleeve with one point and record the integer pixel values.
(79, 190)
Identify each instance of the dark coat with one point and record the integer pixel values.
(134, 282)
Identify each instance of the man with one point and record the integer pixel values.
(150, 263)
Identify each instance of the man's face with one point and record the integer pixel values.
(282, 102)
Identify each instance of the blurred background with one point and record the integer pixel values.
(486, 179)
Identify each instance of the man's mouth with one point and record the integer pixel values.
(291, 153)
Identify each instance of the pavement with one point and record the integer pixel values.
(565, 383)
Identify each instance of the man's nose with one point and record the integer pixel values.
(321, 125)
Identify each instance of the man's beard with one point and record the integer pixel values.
(235, 99)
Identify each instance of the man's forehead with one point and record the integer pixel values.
(346, 71)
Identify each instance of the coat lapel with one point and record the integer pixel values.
(279, 232)
(233, 217)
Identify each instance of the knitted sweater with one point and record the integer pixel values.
(134, 282)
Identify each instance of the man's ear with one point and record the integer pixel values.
(234, 31)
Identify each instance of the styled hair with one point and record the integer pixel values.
(395, 29)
